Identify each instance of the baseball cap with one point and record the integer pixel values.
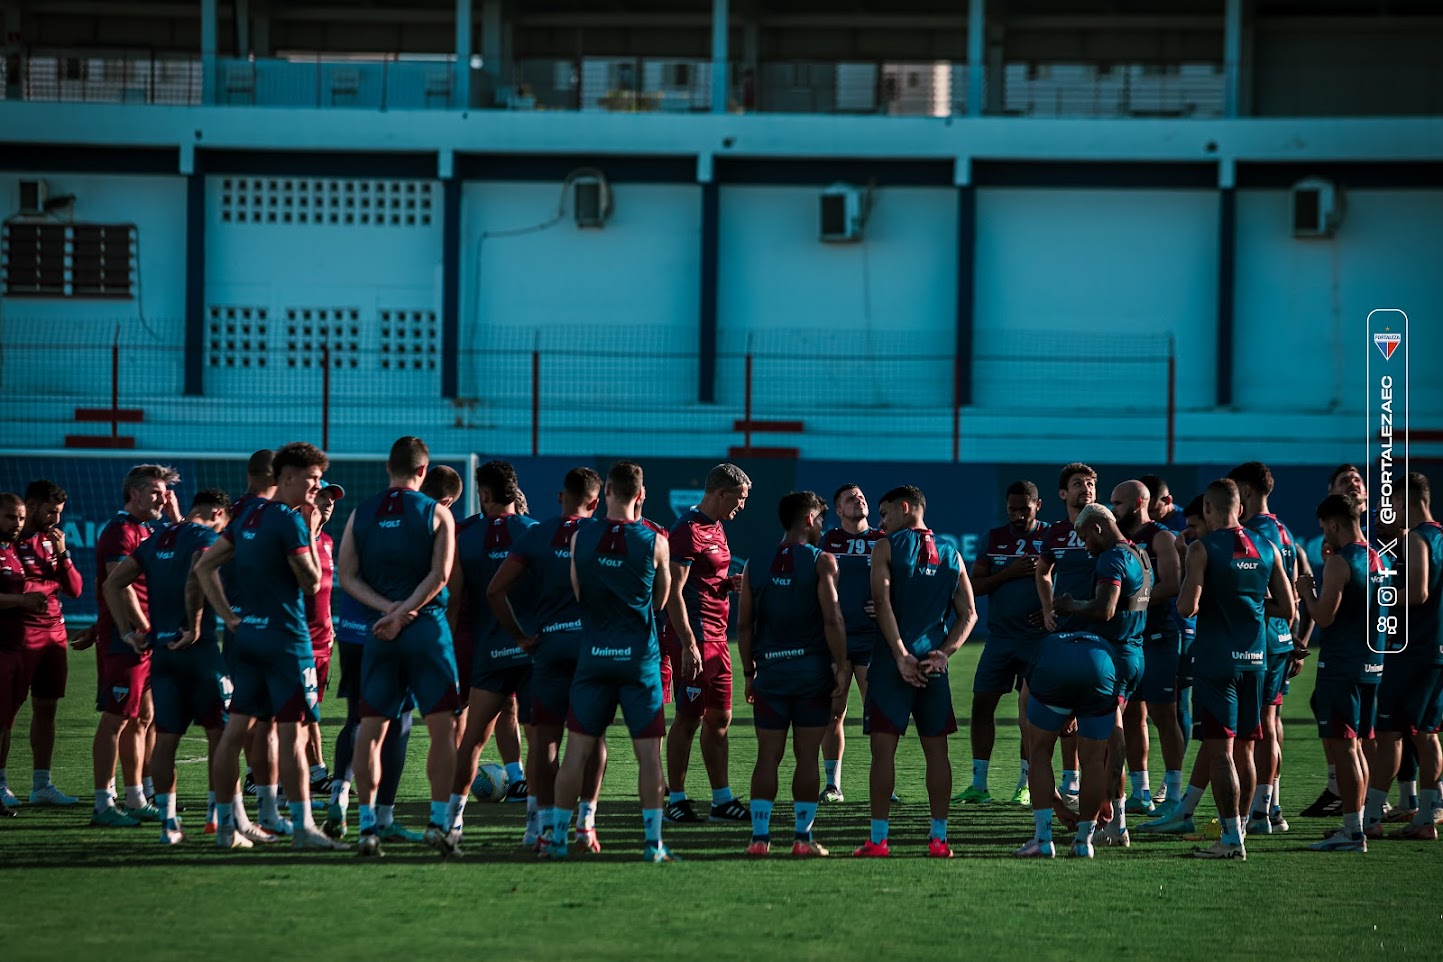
(335, 491)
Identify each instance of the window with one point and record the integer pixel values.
(69, 260)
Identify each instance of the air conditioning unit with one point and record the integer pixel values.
(1317, 207)
(33, 194)
(843, 211)
(590, 201)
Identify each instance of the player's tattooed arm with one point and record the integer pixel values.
(1043, 577)
(1323, 606)
(206, 573)
(497, 597)
(1167, 573)
(1280, 603)
(833, 624)
(1101, 608)
(1195, 567)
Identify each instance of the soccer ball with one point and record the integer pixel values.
(489, 784)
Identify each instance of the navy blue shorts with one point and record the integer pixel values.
(550, 685)
(1074, 673)
(892, 703)
(273, 682)
(1229, 707)
(1162, 665)
(778, 712)
(1344, 708)
(1003, 665)
(418, 663)
(1410, 698)
(189, 688)
(596, 694)
(511, 680)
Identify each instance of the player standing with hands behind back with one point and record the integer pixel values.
(916, 586)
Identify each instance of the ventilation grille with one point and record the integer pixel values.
(340, 203)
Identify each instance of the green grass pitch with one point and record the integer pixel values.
(70, 891)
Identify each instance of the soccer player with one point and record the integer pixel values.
(1073, 675)
(1255, 484)
(850, 542)
(545, 550)
(1410, 696)
(696, 633)
(323, 630)
(1006, 571)
(1348, 480)
(187, 674)
(272, 669)
(124, 680)
(1162, 648)
(395, 559)
(1161, 507)
(263, 747)
(48, 568)
(500, 668)
(1233, 580)
(918, 587)
(1350, 658)
(620, 573)
(1065, 567)
(15, 601)
(353, 624)
(1118, 611)
(792, 641)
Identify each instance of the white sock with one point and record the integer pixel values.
(1277, 808)
(979, 773)
(266, 809)
(1333, 779)
(1190, 799)
(103, 800)
(1172, 782)
(1069, 781)
(1377, 798)
(833, 767)
(1428, 800)
(318, 772)
(1353, 824)
(1119, 813)
(586, 816)
(134, 796)
(341, 793)
(385, 816)
(1262, 801)
(1407, 792)
(1022, 778)
(533, 816)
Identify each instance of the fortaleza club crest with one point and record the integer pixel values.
(1387, 344)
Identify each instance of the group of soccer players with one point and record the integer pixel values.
(1101, 622)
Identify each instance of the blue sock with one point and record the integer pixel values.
(439, 816)
(720, 796)
(651, 819)
(761, 820)
(806, 817)
(1042, 821)
(514, 773)
(673, 797)
(879, 831)
(367, 817)
(225, 814)
(939, 828)
(833, 768)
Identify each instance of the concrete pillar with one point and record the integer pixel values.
(462, 96)
(209, 34)
(720, 41)
(976, 55)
